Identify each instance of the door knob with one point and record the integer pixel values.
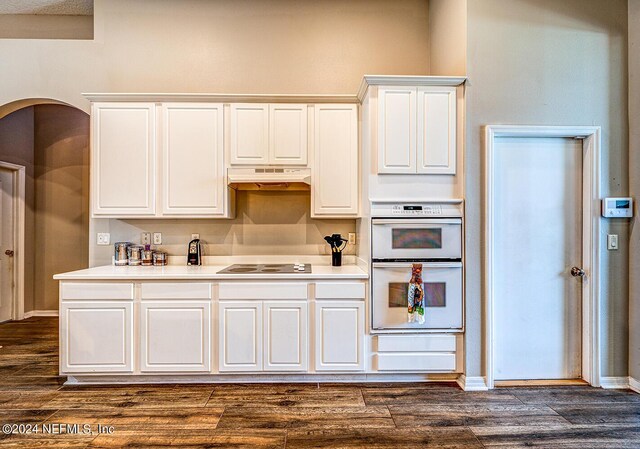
(9, 252)
(577, 272)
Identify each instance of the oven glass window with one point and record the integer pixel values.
(421, 238)
(434, 292)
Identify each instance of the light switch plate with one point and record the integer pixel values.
(146, 238)
(157, 238)
(612, 242)
(104, 238)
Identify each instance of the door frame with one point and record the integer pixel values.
(19, 222)
(590, 136)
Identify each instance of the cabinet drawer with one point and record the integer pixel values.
(176, 290)
(251, 290)
(416, 343)
(90, 290)
(416, 362)
(340, 290)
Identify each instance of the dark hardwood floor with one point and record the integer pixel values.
(293, 415)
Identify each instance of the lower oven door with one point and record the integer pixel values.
(443, 295)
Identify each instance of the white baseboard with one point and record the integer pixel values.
(40, 313)
(634, 385)
(614, 383)
(472, 383)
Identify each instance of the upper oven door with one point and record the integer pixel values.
(416, 238)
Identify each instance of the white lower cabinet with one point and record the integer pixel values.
(240, 335)
(339, 334)
(175, 336)
(285, 329)
(96, 336)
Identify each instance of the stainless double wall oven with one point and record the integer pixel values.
(406, 233)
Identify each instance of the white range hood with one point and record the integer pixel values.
(269, 178)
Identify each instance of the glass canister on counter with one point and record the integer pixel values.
(135, 254)
(147, 256)
(160, 258)
(121, 253)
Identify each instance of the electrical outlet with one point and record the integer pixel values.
(146, 238)
(612, 242)
(157, 238)
(104, 238)
(352, 238)
(195, 236)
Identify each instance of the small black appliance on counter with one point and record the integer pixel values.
(194, 255)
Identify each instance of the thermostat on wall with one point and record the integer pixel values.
(617, 207)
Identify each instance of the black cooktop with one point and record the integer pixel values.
(269, 268)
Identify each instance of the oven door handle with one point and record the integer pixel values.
(424, 264)
(416, 221)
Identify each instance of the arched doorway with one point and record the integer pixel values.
(50, 139)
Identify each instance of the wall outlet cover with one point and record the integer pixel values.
(195, 236)
(157, 238)
(104, 238)
(352, 238)
(146, 238)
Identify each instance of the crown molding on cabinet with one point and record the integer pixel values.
(221, 98)
(411, 80)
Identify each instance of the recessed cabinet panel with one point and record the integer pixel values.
(96, 336)
(285, 325)
(335, 177)
(397, 130)
(249, 134)
(437, 130)
(288, 134)
(339, 335)
(175, 336)
(192, 150)
(241, 335)
(123, 159)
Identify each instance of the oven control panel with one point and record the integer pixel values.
(421, 210)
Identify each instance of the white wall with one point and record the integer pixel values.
(634, 187)
(548, 62)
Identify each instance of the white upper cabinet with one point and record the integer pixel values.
(417, 130)
(193, 180)
(397, 130)
(249, 134)
(123, 161)
(335, 162)
(436, 130)
(269, 134)
(288, 134)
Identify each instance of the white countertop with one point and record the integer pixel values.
(183, 272)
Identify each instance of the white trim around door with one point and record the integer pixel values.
(590, 136)
(19, 189)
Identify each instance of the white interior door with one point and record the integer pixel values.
(6, 242)
(537, 240)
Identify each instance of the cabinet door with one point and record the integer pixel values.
(123, 159)
(240, 335)
(285, 326)
(335, 177)
(249, 134)
(339, 335)
(193, 159)
(288, 134)
(96, 337)
(175, 336)
(397, 130)
(437, 130)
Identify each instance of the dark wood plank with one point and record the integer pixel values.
(571, 395)
(24, 416)
(441, 438)
(306, 417)
(565, 437)
(20, 383)
(12, 400)
(255, 439)
(600, 413)
(444, 396)
(474, 415)
(284, 395)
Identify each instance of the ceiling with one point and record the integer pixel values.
(50, 7)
